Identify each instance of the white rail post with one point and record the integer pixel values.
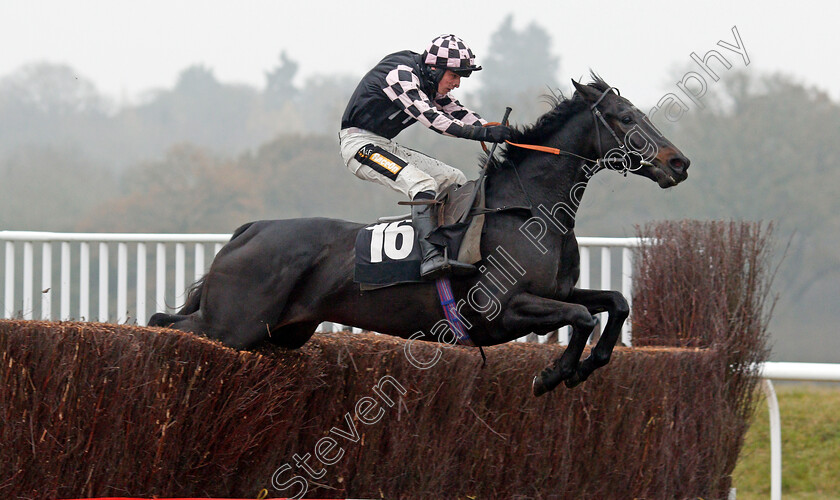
(160, 278)
(84, 281)
(46, 280)
(180, 272)
(585, 272)
(606, 280)
(584, 267)
(122, 282)
(775, 440)
(199, 261)
(9, 289)
(141, 284)
(627, 291)
(27, 279)
(64, 313)
(103, 282)
(606, 268)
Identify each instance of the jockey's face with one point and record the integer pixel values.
(448, 82)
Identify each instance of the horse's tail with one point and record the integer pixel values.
(193, 301)
(193, 297)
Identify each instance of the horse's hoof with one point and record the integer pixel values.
(538, 386)
(159, 320)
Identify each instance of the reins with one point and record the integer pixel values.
(550, 150)
(596, 116)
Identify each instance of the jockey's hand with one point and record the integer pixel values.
(497, 133)
(490, 133)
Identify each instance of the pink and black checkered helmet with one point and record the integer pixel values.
(450, 52)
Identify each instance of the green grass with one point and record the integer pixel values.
(810, 446)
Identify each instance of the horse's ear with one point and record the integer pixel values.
(588, 93)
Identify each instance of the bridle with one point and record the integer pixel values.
(599, 162)
(596, 115)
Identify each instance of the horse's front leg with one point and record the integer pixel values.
(617, 309)
(528, 313)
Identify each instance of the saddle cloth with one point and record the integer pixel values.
(387, 253)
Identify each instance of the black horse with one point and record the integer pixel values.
(277, 280)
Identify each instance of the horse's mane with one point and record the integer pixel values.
(562, 109)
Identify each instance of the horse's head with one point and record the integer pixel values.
(626, 139)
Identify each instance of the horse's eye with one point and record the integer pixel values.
(626, 119)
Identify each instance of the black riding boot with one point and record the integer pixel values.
(434, 264)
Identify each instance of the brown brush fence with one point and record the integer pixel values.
(102, 410)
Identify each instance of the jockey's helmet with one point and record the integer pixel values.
(450, 52)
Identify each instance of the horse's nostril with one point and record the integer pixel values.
(679, 163)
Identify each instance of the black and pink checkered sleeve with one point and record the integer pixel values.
(455, 109)
(404, 90)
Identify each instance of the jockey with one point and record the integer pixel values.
(404, 88)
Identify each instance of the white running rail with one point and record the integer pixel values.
(63, 265)
(70, 279)
(802, 372)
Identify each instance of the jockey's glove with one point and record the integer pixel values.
(493, 133)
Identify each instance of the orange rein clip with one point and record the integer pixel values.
(488, 124)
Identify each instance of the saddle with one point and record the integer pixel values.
(458, 229)
(384, 256)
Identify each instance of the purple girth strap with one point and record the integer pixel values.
(450, 310)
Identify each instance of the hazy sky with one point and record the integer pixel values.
(127, 47)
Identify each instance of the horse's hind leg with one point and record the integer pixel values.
(177, 321)
(245, 299)
(183, 322)
(292, 336)
(164, 320)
